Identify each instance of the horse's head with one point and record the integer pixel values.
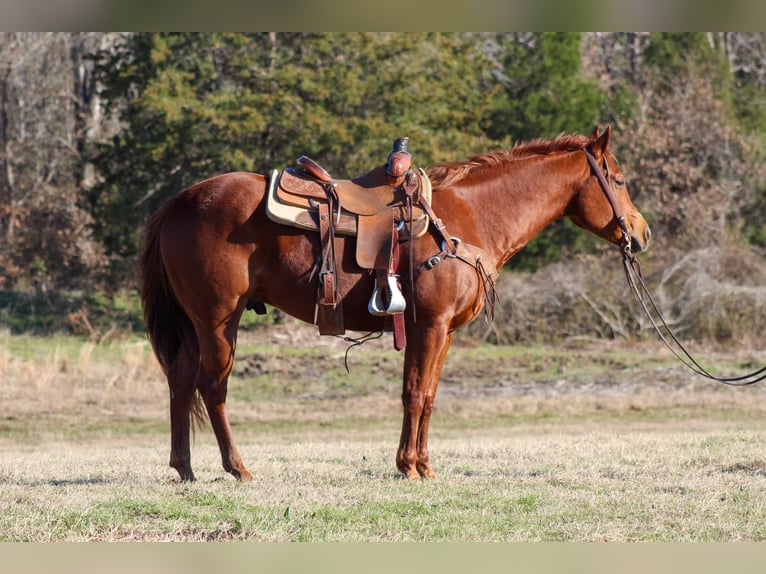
(602, 204)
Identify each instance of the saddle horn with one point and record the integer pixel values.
(399, 162)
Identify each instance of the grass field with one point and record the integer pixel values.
(586, 441)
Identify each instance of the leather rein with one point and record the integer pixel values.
(641, 293)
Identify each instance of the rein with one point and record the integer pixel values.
(641, 293)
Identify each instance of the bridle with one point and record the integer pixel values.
(641, 293)
(602, 174)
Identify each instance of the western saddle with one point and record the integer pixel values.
(381, 208)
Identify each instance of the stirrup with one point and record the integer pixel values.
(396, 302)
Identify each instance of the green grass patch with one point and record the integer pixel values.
(72, 312)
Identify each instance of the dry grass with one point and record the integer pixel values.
(592, 442)
(66, 374)
(601, 485)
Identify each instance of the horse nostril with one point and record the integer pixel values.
(636, 245)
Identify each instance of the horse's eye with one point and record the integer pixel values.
(619, 181)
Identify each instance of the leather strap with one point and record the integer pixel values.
(400, 334)
(438, 224)
(328, 311)
(327, 271)
(605, 185)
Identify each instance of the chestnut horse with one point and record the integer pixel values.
(211, 252)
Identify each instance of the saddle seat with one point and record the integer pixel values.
(365, 195)
(369, 207)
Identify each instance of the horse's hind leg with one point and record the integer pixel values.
(181, 379)
(217, 358)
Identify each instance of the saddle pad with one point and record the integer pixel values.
(304, 217)
(300, 217)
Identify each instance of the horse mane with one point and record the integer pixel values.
(445, 174)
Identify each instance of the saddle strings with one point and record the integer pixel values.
(490, 293)
(641, 293)
(487, 285)
(355, 342)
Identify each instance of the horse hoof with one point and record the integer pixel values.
(245, 476)
(410, 474)
(242, 475)
(427, 473)
(185, 473)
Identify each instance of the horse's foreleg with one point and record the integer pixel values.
(217, 359)
(423, 360)
(423, 465)
(181, 377)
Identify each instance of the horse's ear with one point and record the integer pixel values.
(599, 143)
(594, 134)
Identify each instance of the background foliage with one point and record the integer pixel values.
(97, 130)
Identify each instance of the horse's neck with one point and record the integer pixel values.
(521, 201)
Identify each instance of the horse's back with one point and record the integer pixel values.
(227, 198)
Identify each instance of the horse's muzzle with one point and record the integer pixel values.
(639, 243)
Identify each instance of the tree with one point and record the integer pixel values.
(44, 125)
(545, 90)
(198, 104)
(686, 152)
(545, 93)
(746, 56)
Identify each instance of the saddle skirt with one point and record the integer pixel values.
(368, 210)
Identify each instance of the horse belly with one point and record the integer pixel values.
(288, 278)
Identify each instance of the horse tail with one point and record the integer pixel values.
(166, 321)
